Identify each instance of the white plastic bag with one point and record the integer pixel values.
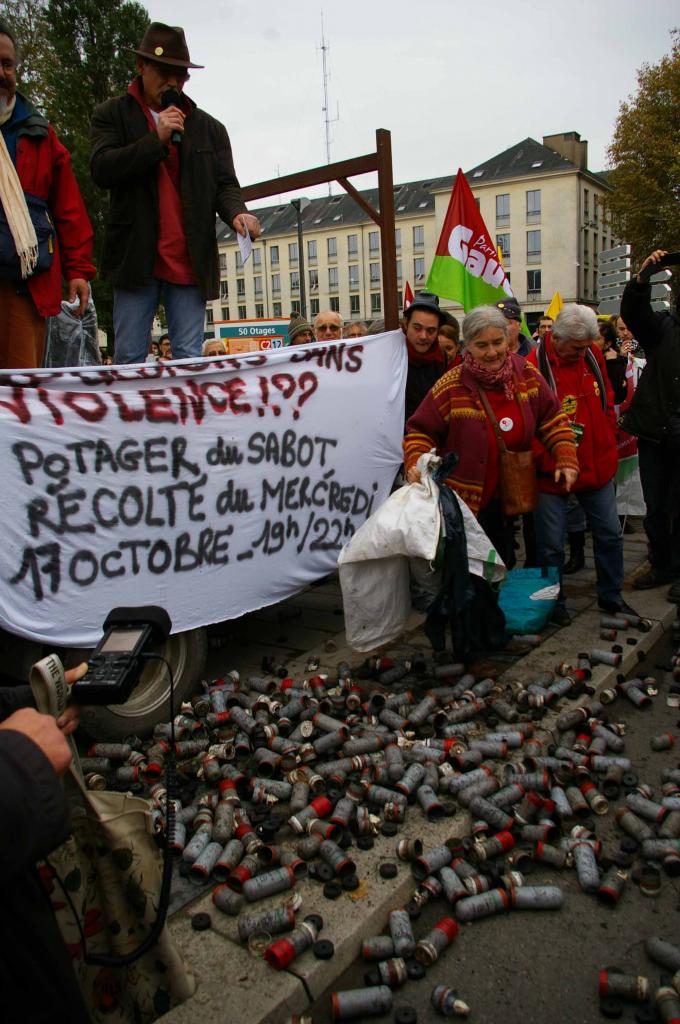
(374, 564)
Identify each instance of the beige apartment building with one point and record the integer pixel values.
(539, 201)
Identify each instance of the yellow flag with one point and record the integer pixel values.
(555, 306)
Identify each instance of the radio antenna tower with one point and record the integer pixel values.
(327, 119)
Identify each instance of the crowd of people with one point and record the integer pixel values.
(566, 399)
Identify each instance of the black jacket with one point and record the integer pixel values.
(37, 984)
(419, 380)
(125, 158)
(657, 396)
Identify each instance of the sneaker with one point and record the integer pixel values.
(673, 594)
(652, 578)
(560, 616)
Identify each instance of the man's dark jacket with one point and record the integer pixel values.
(125, 158)
(657, 396)
(37, 984)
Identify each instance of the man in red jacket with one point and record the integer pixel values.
(45, 232)
(574, 368)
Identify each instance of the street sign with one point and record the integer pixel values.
(611, 265)
(609, 306)
(661, 291)
(618, 276)
(610, 291)
(252, 335)
(660, 305)
(615, 253)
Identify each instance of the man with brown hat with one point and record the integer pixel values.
(169, 168)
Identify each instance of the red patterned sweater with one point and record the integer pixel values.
(451, 417)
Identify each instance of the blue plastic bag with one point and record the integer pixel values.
(527, 598)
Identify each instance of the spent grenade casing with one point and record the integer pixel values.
(474, 907)
(357, 1003)
(378, 947)
(202, 868)
(446, 1002)
(630, 987)
(402, 933)
(227, 901)
(272, 922)
(284, 951)
(430, 948)
(392, 972)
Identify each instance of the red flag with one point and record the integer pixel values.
(408, 296)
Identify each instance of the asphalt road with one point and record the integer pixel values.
(536, 967)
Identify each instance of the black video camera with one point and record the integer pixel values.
(115, 665)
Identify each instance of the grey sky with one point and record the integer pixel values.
(455, 81)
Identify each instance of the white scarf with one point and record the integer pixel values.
(14, 204)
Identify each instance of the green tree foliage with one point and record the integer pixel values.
(645, 159)
(74, 55)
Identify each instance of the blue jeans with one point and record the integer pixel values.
(135, 308)
(600, 510)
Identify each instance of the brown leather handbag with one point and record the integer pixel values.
(517, 471)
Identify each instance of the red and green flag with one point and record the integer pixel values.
(466, 266)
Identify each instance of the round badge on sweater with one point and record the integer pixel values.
(506, 424)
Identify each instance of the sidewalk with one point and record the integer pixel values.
(238, 987)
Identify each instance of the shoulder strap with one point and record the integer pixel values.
(494, 422)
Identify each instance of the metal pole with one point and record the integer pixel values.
(388, 243)
(301, 258)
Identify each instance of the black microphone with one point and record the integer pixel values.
(171, 98)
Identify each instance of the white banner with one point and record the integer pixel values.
(211, 488)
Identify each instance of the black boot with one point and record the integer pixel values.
(577, 545)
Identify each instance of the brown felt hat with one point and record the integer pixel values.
(166, 44)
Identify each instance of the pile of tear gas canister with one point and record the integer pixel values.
(283, 782)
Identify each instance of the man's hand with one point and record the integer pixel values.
(653, 257)
(569, 477)
(70, 720)
(247, 223)
(45, 733)
(79, 288)
(169, 121)
(413, 475)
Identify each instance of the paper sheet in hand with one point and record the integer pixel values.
(245, 244)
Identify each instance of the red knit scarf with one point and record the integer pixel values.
(433, 355)
(495, 379)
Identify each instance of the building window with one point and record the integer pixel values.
(477, 201)
(586, 204)
(503, 208)
(313, 280)
(295, 281)
(373, 243)
(533, 246)
(398, 270)
(332, 246)
(239, 261)
(257, 257)
(274, 255)
(277, 309)
(374, 270)
(223, 261)
(224, 290)
(313, 307)
(295, 306)
(311, 250)
(335, 303)
(503, 243)
(418, 237)
(596, 209)
(257, 285)
(209, 315)
(259, 310)
(376, 302)
(292, 252)
(333, 278)
(400, 301)
(354, 276)
(533, 206)
(397, 238)
(419, 269)
(240, 286)
(586, 245)
(533, 284)
(352, 245)
(507, 274)
(276, 283)
(354, 304)
(225, 312)
(242, 313)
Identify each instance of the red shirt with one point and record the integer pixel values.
(172, 258)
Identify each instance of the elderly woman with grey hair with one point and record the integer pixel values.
(454, 417)
(573, 366)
